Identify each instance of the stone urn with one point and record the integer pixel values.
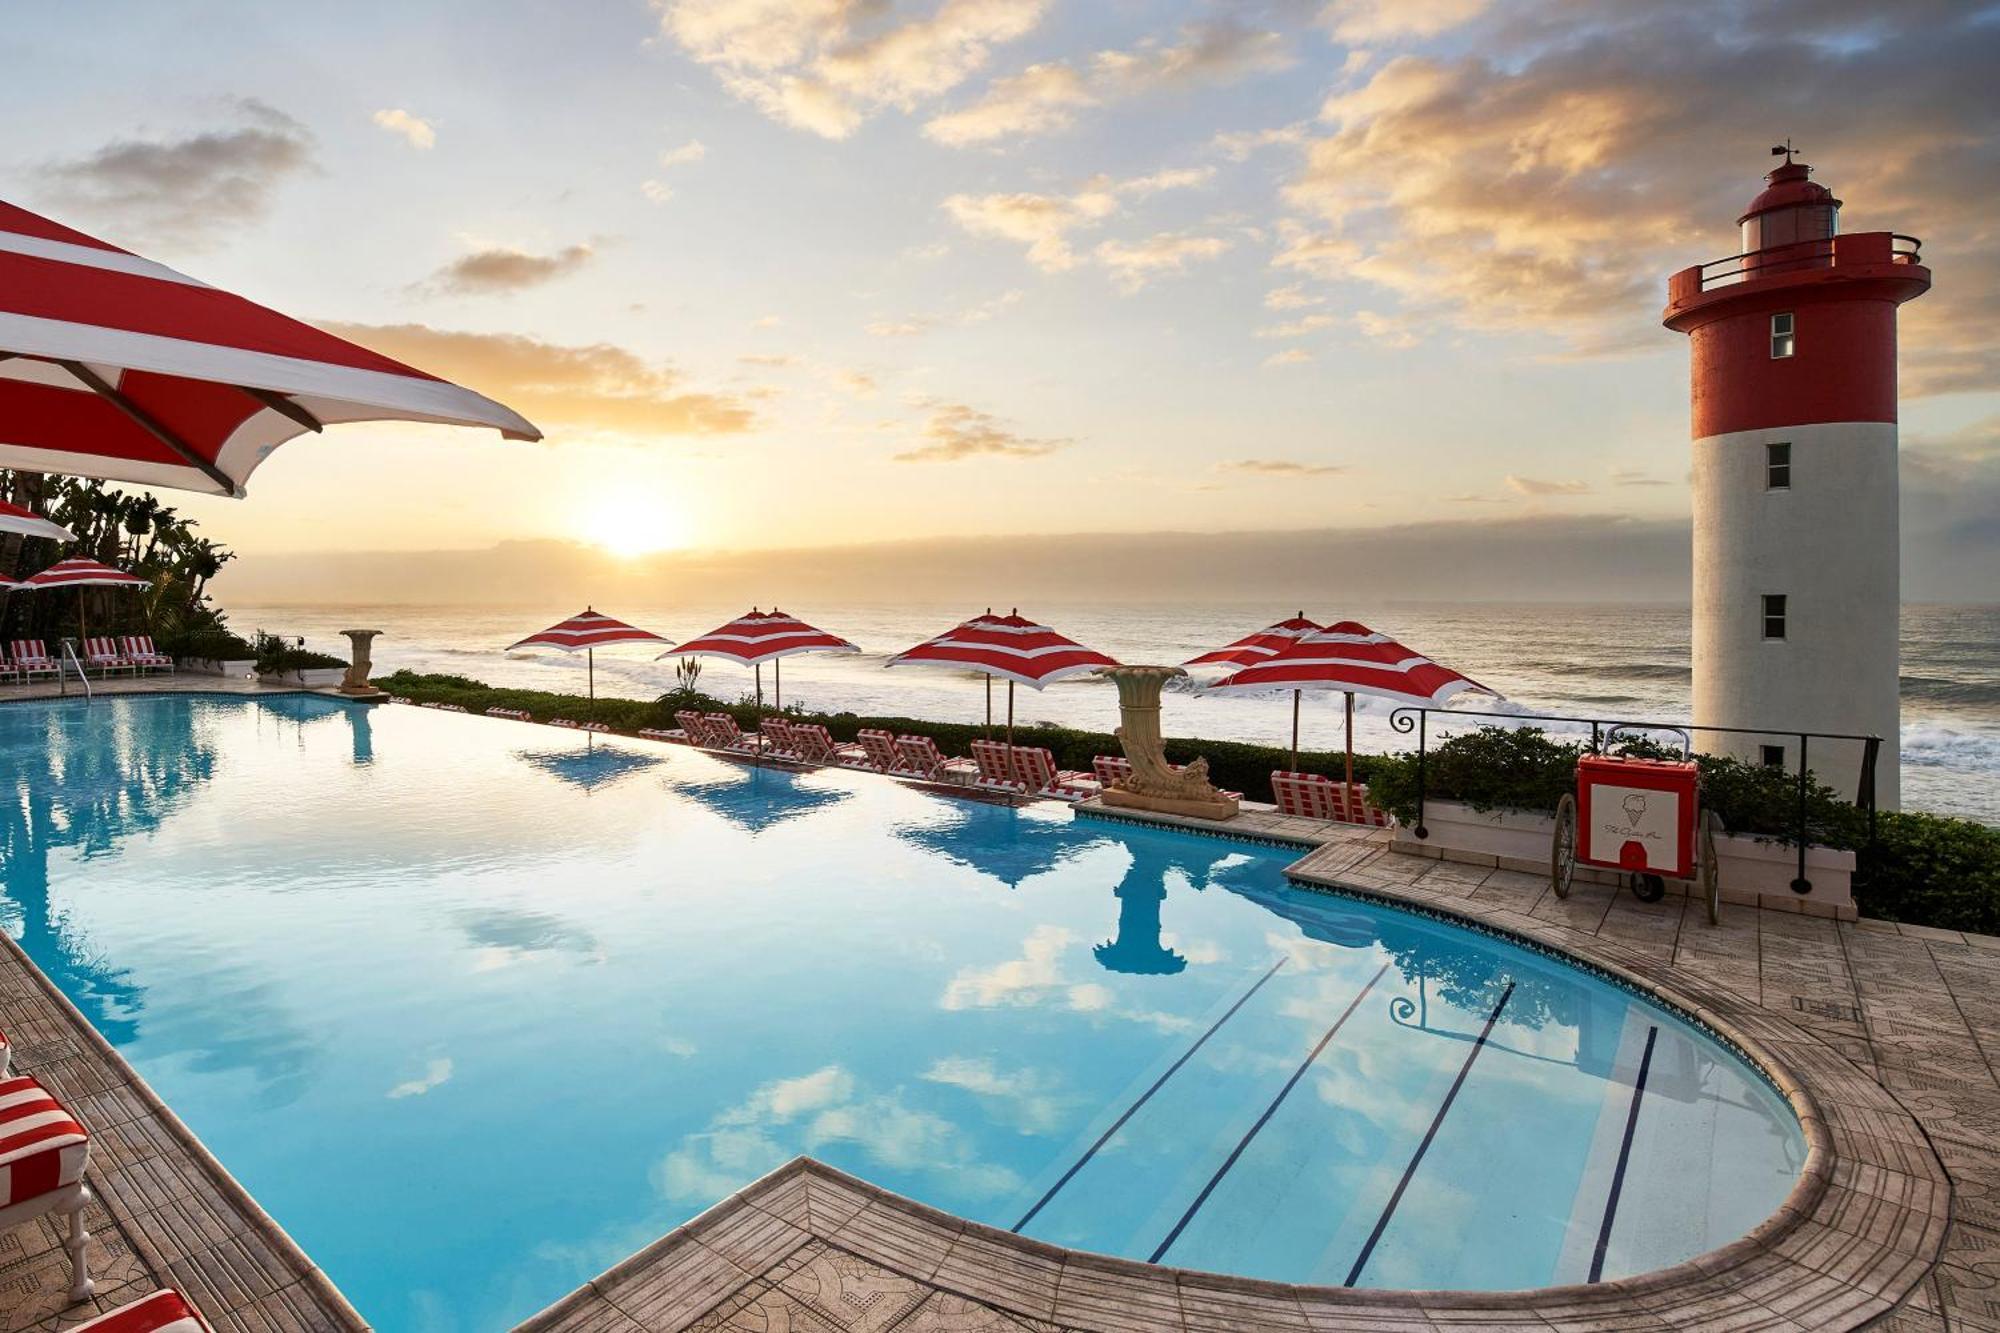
(1154, 784)
(355, 683)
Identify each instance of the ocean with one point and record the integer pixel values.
(1592, 661)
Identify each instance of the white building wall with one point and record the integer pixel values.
(1829, 544)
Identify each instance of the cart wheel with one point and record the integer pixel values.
(1562, 850)
(1648, 888)
(1711, 873)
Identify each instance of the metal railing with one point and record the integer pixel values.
(1825, 253)
(68, 655)
(1405, 720)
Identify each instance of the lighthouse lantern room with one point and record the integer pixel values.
(1793, 391)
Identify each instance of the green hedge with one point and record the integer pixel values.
(1931, 870)
(1231, 764)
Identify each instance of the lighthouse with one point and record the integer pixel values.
(1793, 393)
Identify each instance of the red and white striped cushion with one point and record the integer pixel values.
(42, 1147)
(162, 1312)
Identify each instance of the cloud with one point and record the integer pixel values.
(1238, 145)
(1134, 263)
(1379, 20)
(1626, 476)
(1043, 98)
(1297, 328)
(415, 130)
(1390, 330)
(499, 270)
(687, 154)
(1044, 222)
(656, 192)
(827, 65)
(1550, 182)
(1538, 486)
(1283, 467)
(1291, 356)
(436, 1073)
(955, 432)
(594, 386)
(899, 328)
(1293, 297)
(985, 310)
(186, 192)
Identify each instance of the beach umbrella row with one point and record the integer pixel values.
(759, 637)
(1009, 647)
(79, 573)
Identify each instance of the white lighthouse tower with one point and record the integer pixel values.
(1795, 530)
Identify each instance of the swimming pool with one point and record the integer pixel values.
(475, 1009)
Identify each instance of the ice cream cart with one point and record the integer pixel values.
(1642, 818)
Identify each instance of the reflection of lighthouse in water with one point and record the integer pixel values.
(1136, 947)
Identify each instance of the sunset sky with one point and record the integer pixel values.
(803, 272)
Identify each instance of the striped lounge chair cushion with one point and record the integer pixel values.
(162, 1312)
(42, 1147)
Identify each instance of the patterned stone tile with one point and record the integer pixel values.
(849, 1292)
(946, 1313)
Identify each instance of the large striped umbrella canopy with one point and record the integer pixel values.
(585, 633)
(1254, 648)
(1010, 647)
(80, 572)
(114, 366)
(763, 636)
(27, 523)
(1351, 658)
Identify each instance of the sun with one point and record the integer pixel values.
(629, 526)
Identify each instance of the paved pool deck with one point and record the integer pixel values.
(1883, 1037)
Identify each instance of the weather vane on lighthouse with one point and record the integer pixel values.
(1784, 149)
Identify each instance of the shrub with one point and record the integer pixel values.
(276, 656)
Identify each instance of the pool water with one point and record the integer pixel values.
(476, 1009)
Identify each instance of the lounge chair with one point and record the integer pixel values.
(817, 746)
(996, 768)
(922, 758)
(1111, 768)
(1315, 796)
(41, 1169)
(724, 735)
(778, 742)
(694, 724)
(513, 714)
(141, 653)
(879, 747)
(163, 1311)
(678, 735)
(31, 659)
(9, 673)
(1035, 769)
(568, 723)
(101, 653)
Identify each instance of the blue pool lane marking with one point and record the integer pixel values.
(1624, 1156)
(1389, 1211)
(1146, 1096)
(1269, 1111)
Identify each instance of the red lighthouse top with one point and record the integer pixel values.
(1791, 208)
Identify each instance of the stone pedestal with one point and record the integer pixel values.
(1154, 784)
(355, 684)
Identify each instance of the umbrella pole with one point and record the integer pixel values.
(590, 659)
(1350, 740)
(778, 686)
(1010, 712)
(989, 708)
(1295, 730)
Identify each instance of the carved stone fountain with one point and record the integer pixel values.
(355, 683)
(1154, 784)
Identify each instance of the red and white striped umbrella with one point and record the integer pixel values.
(27, 523)
(116, 367)
(1254, 648)
(80, 572)
(586, 632)
(1010, 647)
(1353, 659)
(763, 636)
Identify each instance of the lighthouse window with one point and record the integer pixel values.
(1774, 615)
(1777, 467)
(1773, 756)
(1783, 343)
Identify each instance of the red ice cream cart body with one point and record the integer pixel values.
(1637, 815)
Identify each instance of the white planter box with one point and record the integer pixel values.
(311, 677)
(1753, 871)
(208, 666)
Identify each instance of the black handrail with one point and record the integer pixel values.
(1404, 720)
